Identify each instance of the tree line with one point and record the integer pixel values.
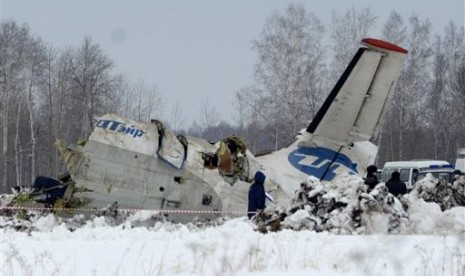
(295, 70)
(48, 93)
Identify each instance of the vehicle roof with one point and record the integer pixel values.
(415, 164)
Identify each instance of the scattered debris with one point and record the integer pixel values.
(446, 195)
(351, 210)
(328, 207)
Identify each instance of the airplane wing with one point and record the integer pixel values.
(354, 108)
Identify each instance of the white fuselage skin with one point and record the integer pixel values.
(137, 180)
(145, 166)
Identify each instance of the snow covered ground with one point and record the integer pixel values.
(428, 242)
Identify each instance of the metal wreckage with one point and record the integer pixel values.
(143, 166)
(146, 166)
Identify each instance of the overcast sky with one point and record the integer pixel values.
(193, 50)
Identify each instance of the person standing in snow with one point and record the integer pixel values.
(256, 195)
(371, 180)
(396, 186)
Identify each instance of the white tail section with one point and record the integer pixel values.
(357, 104)
(338, 140)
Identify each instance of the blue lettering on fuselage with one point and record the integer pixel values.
(120, 127)
(317, 162)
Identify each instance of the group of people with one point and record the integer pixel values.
(257, 194)
(394, 185)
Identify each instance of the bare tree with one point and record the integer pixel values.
(454, 51)
(125, 93)
(48, 91)
(146, 101)
(13, 40)
(65, 110)
(55, 90)
(440, 103)
(243, 113)
(209, 116)
(34, 68)
(347, 31)
(252, 119)
(409, 100)
(94, 84)
(17, 142)
(408, 106)
(290, 62)
(395, 31)
(177, 119)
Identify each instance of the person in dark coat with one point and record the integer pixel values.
(257, 195)
(396, 186)
(371, 180)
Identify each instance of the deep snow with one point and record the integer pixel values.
(428, 241)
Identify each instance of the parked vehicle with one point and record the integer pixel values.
(412, 171)
(460, 162)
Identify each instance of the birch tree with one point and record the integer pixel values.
(408, 106)
(454, 50)
(34, 68)
(208, 115)
(395, 31)
(409, 99)
(94, 83)
(177, 119)
(67, 123)
(13, 39)
(288, 70)
(440, 103)
(146, 102)
(251, 118)
(48, 88)
(347, 31)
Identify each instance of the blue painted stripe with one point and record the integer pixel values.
(320, 159)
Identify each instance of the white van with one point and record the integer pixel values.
(412, 171)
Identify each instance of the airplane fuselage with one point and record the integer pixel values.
(145, 166)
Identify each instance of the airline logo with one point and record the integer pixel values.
(317, 162)
(120, 127)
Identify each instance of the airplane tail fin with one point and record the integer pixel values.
(356, 106)
(339, 139)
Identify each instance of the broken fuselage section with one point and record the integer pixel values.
(145, 166)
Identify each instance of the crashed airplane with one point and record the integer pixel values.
(146, 166)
